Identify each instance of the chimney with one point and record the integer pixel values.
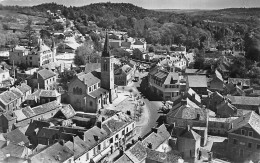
(154, 130)
(198, 117)
(188, 128)
(99, 124)
(183, 102)
(96, 138)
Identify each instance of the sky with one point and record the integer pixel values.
(149, 4)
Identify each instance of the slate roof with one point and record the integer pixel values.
(244, 100)
(98, 92)
(197, 81)
(89, 78)
(77, 149)
(137, 153)
(47, 132)
(54, 153)
(251, 119)
(36, 125)
(16, 137)
(195, 71)
(24, 88)
(49, 93)
(106, 50)
(46, 74)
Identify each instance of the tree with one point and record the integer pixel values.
(29, 32)
(151, 49)
(45, 34)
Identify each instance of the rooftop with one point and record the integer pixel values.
(98, 92)
(46, 74)
(244, 100)
(250, 118)
(90, 78)
(137, 153)
(197, 81)
(16, 137)
(49, 93)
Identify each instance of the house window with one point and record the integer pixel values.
(250, 133)
(123, 132)
(87, 156)
(258, 146)
(89, 89)
(95, 87)
(241, 153)
(234, 141)
(99, 147)
(111, 140)
(117, 136)
(90, 103)
(249, 145)
(243, 132)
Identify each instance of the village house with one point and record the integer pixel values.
(57, 152)
(242, 83)
(124, 75)
(244, 138)
(219, 126)
(90, 91)
(11, 100)
(245, 102)
(5, 78)
(43, 79)
(188, 143)
(198, 83)
(216, 83)
(7, 121)
(165, 84)
(38, 56)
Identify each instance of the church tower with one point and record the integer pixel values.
(107, 71)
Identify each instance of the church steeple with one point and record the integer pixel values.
(106, 50)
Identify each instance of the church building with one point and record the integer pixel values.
(89, 92)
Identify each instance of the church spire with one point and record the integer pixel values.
(106, 50)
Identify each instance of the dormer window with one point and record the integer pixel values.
(250, 133)
(243, 132)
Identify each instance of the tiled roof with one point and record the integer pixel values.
(243, 82)
(124, 159)
(68, 111)
(115, 125)
(197, 81)
(137, 153)
(9, 116)
(14, 150)
(157, 138)
(186, 112)
(244, 100)
(91, 67)
(89, 78)
(138, 42)
(251, 119)
(46, 74)
(78, 146)
(24, 88)
(46, 107)
(195, 71)
(94, 135)
(190, 134)
(54, 153)
(47, 132)
(17, 92)
(161, 157)
(49, 93)
(28, 112)
(7, 97)
(16, 137)
(20, 115)
(98, 92)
